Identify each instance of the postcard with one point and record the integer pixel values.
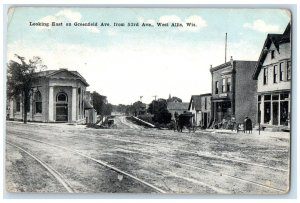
(148, 100)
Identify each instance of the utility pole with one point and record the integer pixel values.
(226, 47)
(154, 103)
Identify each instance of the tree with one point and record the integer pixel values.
(20, 78)
(159, 109)
(98, 102)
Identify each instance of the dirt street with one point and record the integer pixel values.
(69, 158)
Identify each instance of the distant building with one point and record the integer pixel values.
(233, 91)
(57, 96)
(173, 99)
(177, 107)
(273, 76)
(200, 107)
(195, 109)
(205, 110)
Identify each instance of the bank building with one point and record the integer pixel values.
(56, 96)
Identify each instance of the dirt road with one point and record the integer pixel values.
(134, 159)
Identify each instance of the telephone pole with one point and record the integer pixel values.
(226, 47)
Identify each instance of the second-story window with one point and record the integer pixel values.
(223, 85)
(229, 84)
(275, 74)
(281, 71)
(265, 76)
(288, 71)
(217, 87)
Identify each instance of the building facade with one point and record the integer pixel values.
(56, 96)
(205, 110)
(177, 108)
(273, 76)
(195, 109)
(233, 91)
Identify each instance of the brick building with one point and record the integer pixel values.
(233, 91)
(273, 76)
(57, 96)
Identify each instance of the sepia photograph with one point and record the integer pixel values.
(148, 100)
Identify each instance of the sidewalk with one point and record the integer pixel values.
(254, 133)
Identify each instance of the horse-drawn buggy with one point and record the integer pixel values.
(184, 120)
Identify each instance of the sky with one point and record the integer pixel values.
(130, 63)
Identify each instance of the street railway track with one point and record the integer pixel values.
(194, 153)
(159, 158)
(58, 176)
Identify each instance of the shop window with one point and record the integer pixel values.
(275, 113)
(265, 76)
(275, 97)
(284, 96)
(281, 71)
(267, 97)
(267, 112)
(275, 74)
(284, 112)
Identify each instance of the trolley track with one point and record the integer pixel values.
(100, 162)
(232, 160)
(159, 158)
(59, 177)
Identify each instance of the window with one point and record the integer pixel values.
(288, 71)
(205, 103)
(281, 71)
(38, 102)
(61, 97)
(265, 76)
(18, 104)
(272, 54)
(229, 84)
(217, 87)
(223, 85)
(275, 73)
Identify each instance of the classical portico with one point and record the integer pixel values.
(57, 96)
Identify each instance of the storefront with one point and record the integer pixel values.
(274, 108)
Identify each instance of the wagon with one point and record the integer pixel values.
(111, 123)
(184, 120)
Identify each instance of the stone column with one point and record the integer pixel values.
(51, 107)
(74, 90)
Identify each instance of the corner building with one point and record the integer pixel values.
(233, 91)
